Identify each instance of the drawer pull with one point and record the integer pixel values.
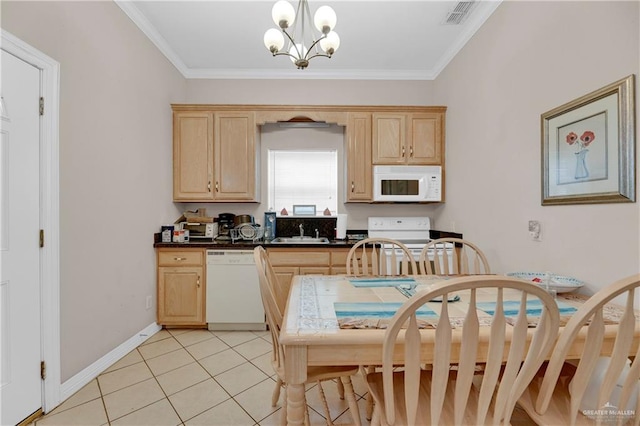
(179, 258)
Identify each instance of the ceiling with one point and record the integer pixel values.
(380, 40)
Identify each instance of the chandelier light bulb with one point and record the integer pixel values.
(293, 51)
(283, 14)
(330, 43)
(274, 40)
(325, 19)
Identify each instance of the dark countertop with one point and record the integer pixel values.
(249, 245)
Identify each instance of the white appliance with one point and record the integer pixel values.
(407, 183)
(233, 291)
(413, 232)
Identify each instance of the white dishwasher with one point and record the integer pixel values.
(233, 291)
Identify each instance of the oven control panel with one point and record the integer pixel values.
(399, 224)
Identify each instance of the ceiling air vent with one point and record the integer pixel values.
(459, 13)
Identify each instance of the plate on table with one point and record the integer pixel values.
(559, 283)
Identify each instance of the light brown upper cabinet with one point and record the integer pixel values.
(192, 156)
(407, 138)
(214, 156)
(235, 156)
(359, 178)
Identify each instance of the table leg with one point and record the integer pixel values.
(295, 367)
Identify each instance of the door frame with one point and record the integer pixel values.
(49, 212)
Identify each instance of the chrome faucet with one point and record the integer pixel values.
(301, 231)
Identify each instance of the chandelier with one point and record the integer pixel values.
(305, 48)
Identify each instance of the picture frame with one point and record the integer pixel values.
(588, 148)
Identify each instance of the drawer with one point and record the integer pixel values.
(181, 258)
(299, 258)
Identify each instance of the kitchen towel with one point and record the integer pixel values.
(383, 282)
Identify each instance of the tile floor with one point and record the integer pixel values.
(193, 377)
(197, 377)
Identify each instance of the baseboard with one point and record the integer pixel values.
(77, 382)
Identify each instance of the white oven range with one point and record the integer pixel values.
(412, 231)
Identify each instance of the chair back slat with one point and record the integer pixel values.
(516, 356)
(465, 258)
(441, 361)
(468, 355)
(630, 382)
(620, 351)
(496, 350)
(380, 257)
(496, 398)
(412, 361)
(592, 313)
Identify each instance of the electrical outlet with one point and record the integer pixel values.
(149, 301)
(535, 230)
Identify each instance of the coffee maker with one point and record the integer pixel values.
(225, 223)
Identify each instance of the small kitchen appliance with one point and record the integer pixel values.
(407, 183)
(269, 226)
(225, 224)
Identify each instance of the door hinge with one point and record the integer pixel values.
(41, 238)
(41, 105)
(43, 370)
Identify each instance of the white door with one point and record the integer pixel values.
(20, 333)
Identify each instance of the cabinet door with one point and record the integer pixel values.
(426, 139)
(389, 138)
(359, 177)
(192, 156)
(235, 156)
(181, 296)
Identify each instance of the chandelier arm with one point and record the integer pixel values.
(324, 55)
(292, 43)
(313, 46)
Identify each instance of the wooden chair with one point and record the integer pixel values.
(466, 259)
(380, 256)
(371, 257)
(452, 394)
(554, 399)
(274, 313)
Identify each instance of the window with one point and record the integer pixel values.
(303, 177)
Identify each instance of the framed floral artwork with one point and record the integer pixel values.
(588, 148)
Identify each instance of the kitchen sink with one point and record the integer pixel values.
(300, 240)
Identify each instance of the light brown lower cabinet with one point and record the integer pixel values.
(181, 287)
(288, 262)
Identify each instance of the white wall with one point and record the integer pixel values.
(115, 167)
(529, 58)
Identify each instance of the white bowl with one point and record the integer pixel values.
(559, 283)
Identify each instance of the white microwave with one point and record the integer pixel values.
(407, 183)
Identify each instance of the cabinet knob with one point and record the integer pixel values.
(411, 151)
(198, 282)
(403, 151)
(353, 186)
(209, 186)
(217, 189)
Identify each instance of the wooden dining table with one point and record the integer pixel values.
(313, 334)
